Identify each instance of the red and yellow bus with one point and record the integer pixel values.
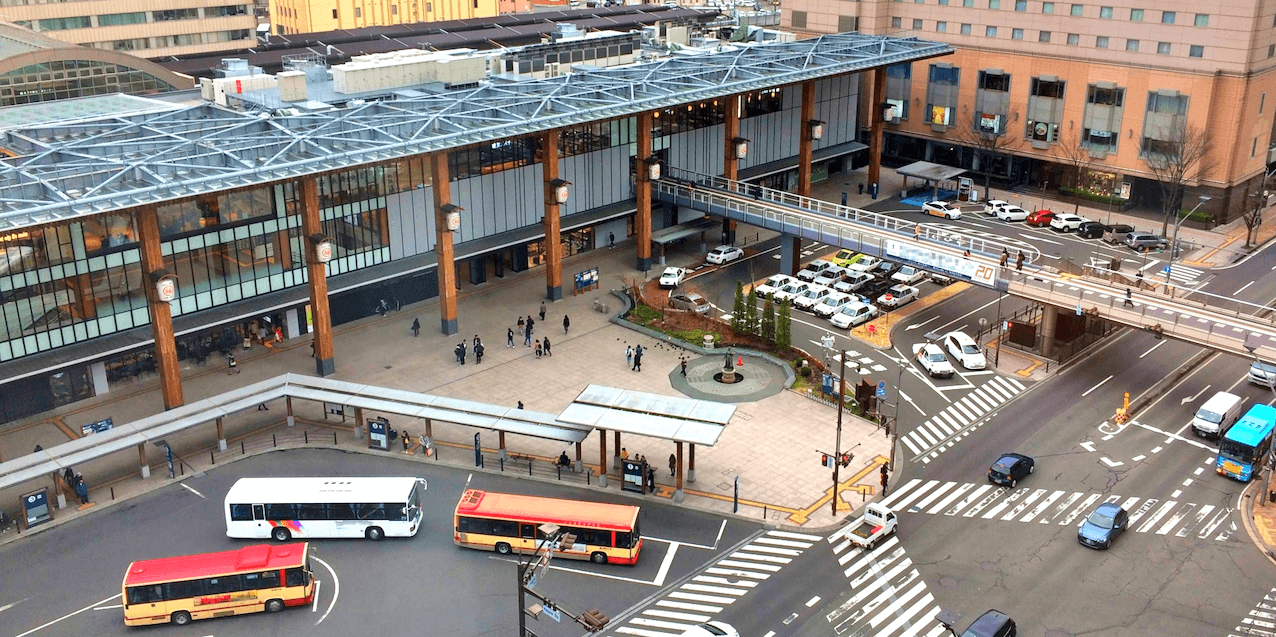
(508, 523)
(250, 580)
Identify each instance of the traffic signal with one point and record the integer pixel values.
(846, 459)
(593, 620)
(824, 460)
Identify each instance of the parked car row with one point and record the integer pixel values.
(1115, 234)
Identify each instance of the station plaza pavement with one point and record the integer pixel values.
(770, 444)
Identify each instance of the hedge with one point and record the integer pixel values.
(1090, 196)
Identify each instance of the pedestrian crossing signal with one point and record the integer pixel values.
(846, 459)
(825, 461)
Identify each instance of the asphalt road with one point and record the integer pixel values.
(66, 581)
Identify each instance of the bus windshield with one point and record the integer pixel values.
(1236, 451)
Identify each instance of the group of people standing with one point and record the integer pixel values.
(525, 329)
(461, 351)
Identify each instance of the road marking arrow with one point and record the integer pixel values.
(917, 325)
(1193, 398)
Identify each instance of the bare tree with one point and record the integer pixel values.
(1077, 156)
(991, 143)
(1253, 206)
(1175, 161)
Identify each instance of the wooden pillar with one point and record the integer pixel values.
(59, 495)
(677, 491)
(579, 460)
(161, 315)
(318, 275)
(500, 440)
(602, 457)
(141, 460)
(691, 462)
(358, 423)
(429, 428)
(730, 165)
(805, 142)
(291, 418)
(283, 249)
(85, 302)
(642, 188)
(615, 455)
(221, 434)
(553, 233)
(443, 253)
(875, 126)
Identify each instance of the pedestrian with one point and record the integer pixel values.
(521, 324)
(425, 447)
(520, 404)
(463, 350)
(1129, 298)
(684, 368)
(477, 342)
(651, 478)
(279, 334)
(530, 322)
(624, 454)
(538, 349)
(509, 337)
(457, 353)
(638, 359)
(1005, 257)
(407, 440)
(312, 349)
(1138, 278)
(262, 407)
(416, 327)
(629, 356)
(566, 323)
(542, 310)
(861, 185)
(1019, 261)
(611, 240)
(673, 464)
(966, 254)
(527, 336)
(81, 489)
(233, 366)
(545, 345)
(478, 351)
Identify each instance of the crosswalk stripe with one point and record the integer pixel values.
(889, 501)
(902, 504)
(970, 416)
(1213, 524)
(1085, 504)
(1174, 520)
(926, 435)
(642, 632)
(922, 623)
(794, 536)
(735, 572)
(722, 580)
(976, 399)
(950, 420)
(793, 544)
(656, 623)
(968, 499)
(1018, 508)
(771, 550)
(1058, 511)
(655, 612)
(935, 430)
(952, 496)
(741, 555)
(957, 416)
(1045, 504)
(1018, 386)
(909, 443)
(1014, 496)
(992, 397)
(988, 499)
(934, 495)
(996, 389)
(1135, 514)
(883, 555)
(937, 631)
(1200, 517)
(764, 567)
(687, 606)
(943, 426)
(697, 597)
(870, 598)
(719, 590)
(1151, 521)
(908, 614)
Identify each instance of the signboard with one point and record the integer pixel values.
(980, 273)
(881, 388)
(378, 433)
(632, 476)
(168, 453)
(587, 279)
(1125, 190)
(552, 613)
(826, 385)
(335, 409)
(97, 427)
(35, 507)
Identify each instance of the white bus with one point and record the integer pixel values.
(286, 508)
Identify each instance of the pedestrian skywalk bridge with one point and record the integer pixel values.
(1026, 505)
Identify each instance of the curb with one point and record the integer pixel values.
(1247, 520)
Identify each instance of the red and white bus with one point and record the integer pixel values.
(507, 523)
(251, 580)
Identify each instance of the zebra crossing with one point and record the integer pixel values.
(1261, 621)
(960, 419)
(1152, 271)
(728, 580)
(887, 596)
(1061, 507)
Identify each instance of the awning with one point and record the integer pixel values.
(930, 172)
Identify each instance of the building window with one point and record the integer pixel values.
(1167, 17)
(1074, 39)
(897, 23)
(1131, 45)
(1047, 7)
(899, 85)
(941, 94)
(1016, 34)
(1105, 96)
(1021, 5)
(941, 27)
(943, 3)
(175, 14)
(117, 19)
(1167, 104)
(1136, 15)
(917, 24)
(1048, 89)
(1101, 42)
(394, 9)
(965, 30)
(1043, 36)
(990, 32)
(1271, 51)
(334, 14)
(994, 82)
(1105, 13)
(223, 11)
(1253, 148)
(967, 3)
(799, 20)
(1202, 20)
(61, 24)
(1163, 48)
(1196, 51)
(847, 23)
(1102, 118)
(1262, 102)
(358, 12)
(1165, 114)
(994, 4)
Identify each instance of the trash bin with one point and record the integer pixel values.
(1271, 496)
(872, 189)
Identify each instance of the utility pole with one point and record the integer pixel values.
(837, 447)
(899, 379)
(529, 571)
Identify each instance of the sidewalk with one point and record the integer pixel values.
(786, 479)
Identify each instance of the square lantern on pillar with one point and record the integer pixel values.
(165, 285)
(323, 247)
(453, 216)
(817, 129)
(560, 190)
(741, 147)
(653, 168)
(888, 112)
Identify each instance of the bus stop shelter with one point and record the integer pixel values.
(681, 231)
(682, 420)
(931, 174)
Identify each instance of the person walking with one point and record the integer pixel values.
(917, 232)
(638, 359)
(81, 489)
(629, 356)
(538, 349)
(545, 346)
(566, 323)
(673, 464)
(521, 324)
(232, 365)
(478, 351)
(530, 322)
(527, 336)
(416, 327)
(611, 240)
(651, 478)
(542, 310)
(520, 404)
(456, 352)
(684, 368)
(1019, 261)
(1005, 257)
(1129, 298)
(509, 337)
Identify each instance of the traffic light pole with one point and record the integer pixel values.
(837, 447)
(592, 620)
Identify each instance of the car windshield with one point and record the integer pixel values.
(1100, 520)
(1003, 465)
(934, 357)
(969, 348)
(713, 630)
(907, 270)
(719, 250)
(1209, 416)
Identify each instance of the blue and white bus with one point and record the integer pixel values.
(1245, 447)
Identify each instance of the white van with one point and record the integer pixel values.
(1217, 414)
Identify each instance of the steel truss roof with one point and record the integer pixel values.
(67, 170)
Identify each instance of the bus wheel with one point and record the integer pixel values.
(181, 618)
(503, 548)
(598, 557)
(280, 534)
(375, 533)
(274, 605)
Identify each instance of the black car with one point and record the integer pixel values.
(885, 269)
(1091, 230)
(874, 288)
(1010, 468)
(993, 623)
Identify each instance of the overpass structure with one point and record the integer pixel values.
(1220, 323)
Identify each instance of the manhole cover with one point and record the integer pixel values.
(948, 582)
(991, 567)
(725, 486)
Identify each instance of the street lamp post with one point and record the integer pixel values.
(837, 446)
(529, 571)
(1178, 221)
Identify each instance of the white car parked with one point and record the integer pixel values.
(897, 296)
(993, 205)
(790, 290)
(932, 359)
(808, 299)
(773, 283)
(908, 275)
(941, 209)
(830, 276)
(965, 350)
(1012, 213)
(672, 277)
(814, 269)
(1066, 222)
(866, 263)
(853, 314)
(831, 303)
(724, 254)
(852, 281)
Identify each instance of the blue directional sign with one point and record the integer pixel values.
(553, 613)
(1165, 270)
(881, 388)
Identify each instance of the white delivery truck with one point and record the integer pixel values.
(1217, 415)
(875, 525)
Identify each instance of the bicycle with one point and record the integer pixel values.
(391, 304)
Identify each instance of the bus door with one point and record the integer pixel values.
(259, 518)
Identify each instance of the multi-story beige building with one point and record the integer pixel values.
(311, 16)
(1114, 78)
(145, 28)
